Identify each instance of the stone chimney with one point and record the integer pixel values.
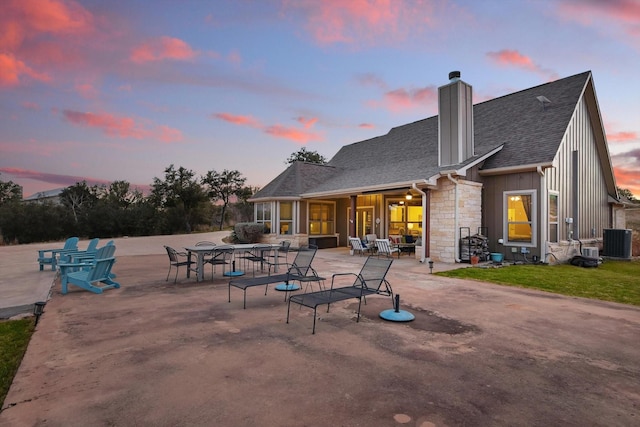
(455, 121)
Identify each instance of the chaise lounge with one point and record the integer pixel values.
(369, 281)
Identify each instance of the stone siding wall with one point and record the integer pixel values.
(444, 236)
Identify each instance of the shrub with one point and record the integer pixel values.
(248, 232)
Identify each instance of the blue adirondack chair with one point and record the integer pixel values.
(97, 277)
(81, 260)
(49, 256)
(75, 256)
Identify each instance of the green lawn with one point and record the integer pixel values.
(617, 281)
(14, 338)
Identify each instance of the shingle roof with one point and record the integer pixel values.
(529, 134)
(298, 178)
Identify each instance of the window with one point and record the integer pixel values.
(286, 218)
(405, 217)
(520, 214)
(321, 219)
(263, 215)
(553, 217)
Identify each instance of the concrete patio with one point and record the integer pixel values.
(163, 354)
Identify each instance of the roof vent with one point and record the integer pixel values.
(454, 76)
(543, 101)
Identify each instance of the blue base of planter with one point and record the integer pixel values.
(233, 273)
(397, 316)
(288, 288)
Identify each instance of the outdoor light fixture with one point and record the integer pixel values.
(430, 267)
(38, 309)
(409, 196)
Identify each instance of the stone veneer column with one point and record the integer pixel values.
(444, 235)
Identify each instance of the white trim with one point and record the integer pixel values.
(534, 217)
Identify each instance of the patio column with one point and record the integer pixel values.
(352, 218)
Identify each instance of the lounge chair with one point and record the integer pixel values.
(385, 248)
(369, 281)
(98, 276)
(300, 271)
(50, 256)
(358, 246)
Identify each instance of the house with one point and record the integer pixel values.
(530, 171)
(48, 196)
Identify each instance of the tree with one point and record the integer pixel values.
(79, 197)
(244, 208)
(303, 155)
(121, 195)
(180, 193)
(9, 192)
(625, 192)
(221, 186)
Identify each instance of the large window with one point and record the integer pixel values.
(405, 217)
(553, 217)
(520, 214)
(263, 215)
(286, 218)
(321, 218)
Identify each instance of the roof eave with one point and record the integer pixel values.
(516, 169)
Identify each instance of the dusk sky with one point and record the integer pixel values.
(101, 90)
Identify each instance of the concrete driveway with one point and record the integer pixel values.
(155, 353)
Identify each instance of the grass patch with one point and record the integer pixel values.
(616, 281)
(14, 339)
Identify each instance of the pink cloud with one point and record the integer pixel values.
(590, 11)
(13, 71)
(626, 166)
(402, 99)
(370, 79)
(62, 180)
(366, 126)
(31, 34)
(234, 57)
(351, 21)
(168, 134)
(293, 134)
(238, 120)
(111, 125)
(87, 90)
(30, 106)
(162, 48)
(307, 122)
(54, 16)
(122, 127)
(622, 136)
(298, 135)
(513, 58)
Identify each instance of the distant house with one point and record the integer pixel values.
(49, 196)
(530, 171)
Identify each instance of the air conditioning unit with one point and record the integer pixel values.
(617, 243)
(591, 252)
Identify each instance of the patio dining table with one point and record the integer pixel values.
(201, 251)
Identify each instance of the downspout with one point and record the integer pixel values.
(544, 221)
(456, 249)
(423, 248)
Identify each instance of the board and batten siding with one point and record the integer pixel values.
(582, 196)
(493, 205)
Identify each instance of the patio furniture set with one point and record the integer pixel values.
(90, 269)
